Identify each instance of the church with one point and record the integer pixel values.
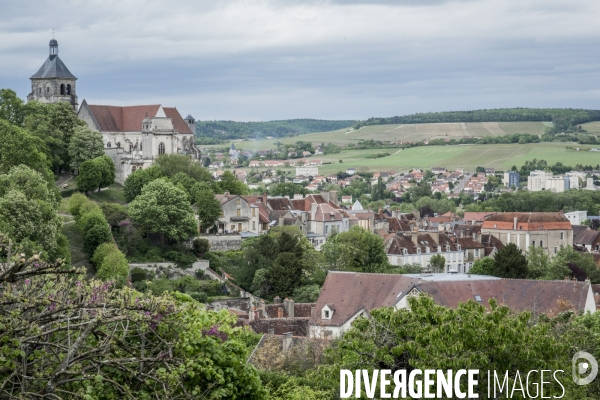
(133, 136)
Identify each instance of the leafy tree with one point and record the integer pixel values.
(163, 208)
(438, 263)
(18, 147)
(137, 180)
(288, 189)
(307, 294)
(86, 144)
(107, 171)
(355, 250)
(209, 208)
(538, 262)
(138, 347)
(114, 267)
(101, 252)
(75, 203)
(200, 246)
(171, 164)
(230, 183)
(90, 176)
(54, 124)
(114, 213)
(12, 108)
(484, 266)
(491, 339)
(563, 263)
(510, 262)
(95, 236)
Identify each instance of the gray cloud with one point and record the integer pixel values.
(257, 59)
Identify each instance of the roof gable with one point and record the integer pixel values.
(129, 119)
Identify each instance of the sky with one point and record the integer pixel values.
(254, 60)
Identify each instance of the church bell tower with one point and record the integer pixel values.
(54, 82)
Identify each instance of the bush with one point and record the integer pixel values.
(95, 236)
(154, 255)
(114, 267)
(75, 203)
(140, 286)
(199, 274)
(183, 260)
(200, 246)
(114, 213)
(138, 274)
(68, 193)
(101, 252)
(199, 296)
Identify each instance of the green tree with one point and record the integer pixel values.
(12, 108)
(230, 183)
(101, 252)
(163, 208)
(355, 250)
(114, 267)
(288, 189)
(107, 171)
(171, 164)
(95, 236)
(307, 294)
(86, 144)
(538, 262)
(90, 176)
(54, 124)
(566, 259)
(510, 262)
(484, 266)
(18, 147)
(137, 180)
(438, 263)
(114, 213)
(209, 208)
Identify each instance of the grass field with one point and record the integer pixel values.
(592, 127)
(114, 194)
(404, 133)
(499, 156)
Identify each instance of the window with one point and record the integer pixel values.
(68, 90)
(140, 147)
(562, 235)
(233, 227)
(62, 89)
(478, 298)
(133, 169)
(533, 243)
(108, 144)
(161, 148)
(541, 243)
(238, 212)
(118, 144)
(254, 212)
(253, 225)
(555, 249)
(326, 229)
(326, 314)
(130, 147)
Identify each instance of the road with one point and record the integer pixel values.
(461, 185)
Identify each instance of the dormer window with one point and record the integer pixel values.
(327, 311)
(404, 251)
(418, 250)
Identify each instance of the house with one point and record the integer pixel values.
(576, 217)
(319, 150)
(346, 296)
(307, 171)
(237, 215)
(254, 164)
(350, 171)
(550, 231)
(476, 217)
(306, 154)
(419, 247)
(438, 170)
(346, 199)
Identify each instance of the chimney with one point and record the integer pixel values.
(264, 197)
(325, 195)
(473, 221)
(515, 223)
(313, 211)
(288, 304)
(277, 300)
(415, 238)
(280, 221)
(287, 341)
(279, 312)
(333, 196)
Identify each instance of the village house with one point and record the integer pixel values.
(346, 296)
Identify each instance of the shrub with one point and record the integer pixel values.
(75, 203)
(114, 213)
(114, 267)
(183, 260)
(90, 219)
(200, 246)
(95, 236)
(199, 274)
(199, 296)
(154, 255)
(101, 252)
(138, 274)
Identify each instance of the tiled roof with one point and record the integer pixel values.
(579, 231)
(477, 216)
(326, 212)
(129, 119)
(279, 203)
(469, 243)
(588, 238)
(518, 294)
(527, 221)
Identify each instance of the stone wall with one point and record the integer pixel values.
(176, 271)
(224, 243)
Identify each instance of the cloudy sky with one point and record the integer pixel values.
(345, 59)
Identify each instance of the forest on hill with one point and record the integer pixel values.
(564, 119)
(283, 128)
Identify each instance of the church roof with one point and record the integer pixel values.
(129, 119)
(53, 68)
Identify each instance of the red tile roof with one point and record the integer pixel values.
(528, 221)
(129, 119)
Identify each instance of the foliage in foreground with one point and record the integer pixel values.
(64, 337)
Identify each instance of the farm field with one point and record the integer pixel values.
(592, 127)
(499, 156)
(412, 132)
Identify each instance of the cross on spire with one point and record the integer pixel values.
(52, 33)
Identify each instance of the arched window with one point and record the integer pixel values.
(161, 148)
(108, 144)
(140, 147)
(118, 144)
(130, 147)
(62, 89)
(133, 169)
(68, 90)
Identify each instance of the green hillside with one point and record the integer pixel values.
(283, 128)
